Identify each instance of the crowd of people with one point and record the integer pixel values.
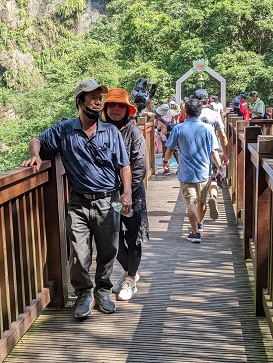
(211, 113)
(255, 109)
(104, 154)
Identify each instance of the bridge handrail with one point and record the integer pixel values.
(33, 244)
(251, 189)
(26, 280)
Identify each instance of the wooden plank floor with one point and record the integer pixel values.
(194, 301)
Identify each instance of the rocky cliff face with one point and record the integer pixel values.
(93, 11)
(9, 12)
(25, 21)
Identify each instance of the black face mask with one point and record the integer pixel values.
(91, 114)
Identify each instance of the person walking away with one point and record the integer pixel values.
(174, 109)
(133, 230)
(197, 143)
(213, 118)
(96, 162)
(215, 105)
(182, 114)
(258, 108)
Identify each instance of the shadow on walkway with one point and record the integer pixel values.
(194, 301)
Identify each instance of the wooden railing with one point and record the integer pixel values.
(250, 180)
(32, 247)
(33, 242)
(235, 127)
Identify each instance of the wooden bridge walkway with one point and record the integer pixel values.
(194, 301)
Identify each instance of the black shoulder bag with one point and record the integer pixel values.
(170, 125)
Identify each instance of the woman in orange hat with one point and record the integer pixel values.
(118, 111)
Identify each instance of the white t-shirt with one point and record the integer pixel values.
(217, 106)
(213, 118)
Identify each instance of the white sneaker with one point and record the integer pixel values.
(128, 289)
(117, 285)
(137, 277)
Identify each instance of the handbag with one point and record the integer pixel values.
(158, 144)
(170, 125)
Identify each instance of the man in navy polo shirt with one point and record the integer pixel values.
(96, 162)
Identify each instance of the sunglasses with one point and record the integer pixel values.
(114, 104)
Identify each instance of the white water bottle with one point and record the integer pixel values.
(118, 208)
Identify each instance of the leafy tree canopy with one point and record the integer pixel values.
(155, 39)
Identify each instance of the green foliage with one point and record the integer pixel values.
(13, 157)
(78, 59)
(246, 71)
(22, 3)
(20, 39)
(70, 9)
(21, 78)
(118, 8)
(155, 39)
(181, 59)
(143, 32)
(22, 13)
(3, 31)
(4, 35)
(105, 31)
(15, 135)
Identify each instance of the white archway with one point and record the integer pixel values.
(202, 65)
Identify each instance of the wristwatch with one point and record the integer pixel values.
(165, 161)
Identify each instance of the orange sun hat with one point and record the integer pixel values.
(119, 95)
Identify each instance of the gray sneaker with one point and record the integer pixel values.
(104, 303)
(213, 208)
(83, 302)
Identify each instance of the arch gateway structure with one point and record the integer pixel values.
(202, 65)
